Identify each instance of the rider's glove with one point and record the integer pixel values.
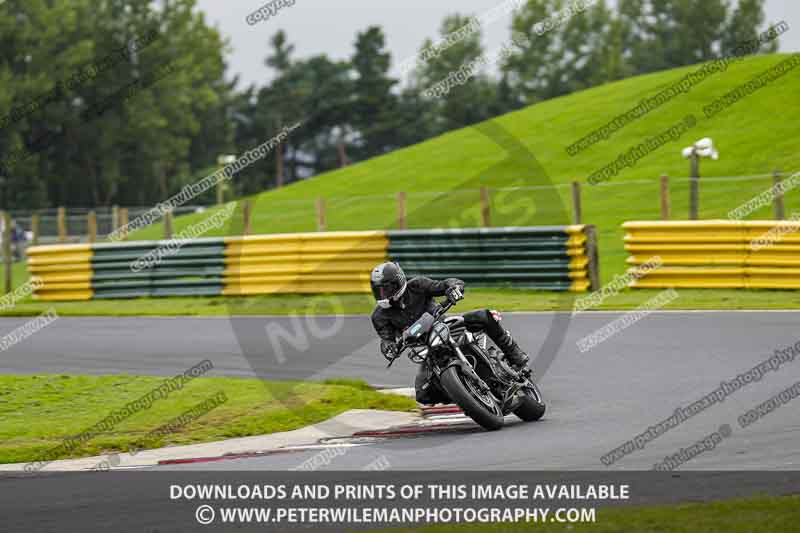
(455, 294)
(389, 349)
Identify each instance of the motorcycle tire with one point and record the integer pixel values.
(532, 407)
(453, 382)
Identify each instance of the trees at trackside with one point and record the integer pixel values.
(129, 131)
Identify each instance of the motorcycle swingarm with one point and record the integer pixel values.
(511, 387)
(510, 396)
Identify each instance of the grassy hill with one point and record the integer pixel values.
(754, 136)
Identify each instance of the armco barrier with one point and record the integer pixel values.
(87, 271)
(716, 254)
(557, 258)
(302, 262)
(546, 258)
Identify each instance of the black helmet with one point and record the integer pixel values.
(388, 282)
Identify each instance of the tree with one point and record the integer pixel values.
(588, 52)
(600, 45)
(468, 102)
(322, 88)
(534, 68)
(374, 107)
(743, 26)
(123, 131)
(688, 31)
(275, 102)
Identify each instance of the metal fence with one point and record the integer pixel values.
(76, 221)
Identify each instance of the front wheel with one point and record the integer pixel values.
(479, 406)
(532, 407)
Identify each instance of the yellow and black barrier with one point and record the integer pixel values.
(547, 258)
(714, 254)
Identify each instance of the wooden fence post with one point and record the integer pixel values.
(114, 218)
(220, 192)
(7, 259)
(62, 224)
(401, 210)
(576, 202)
(123, 223)
(694, 187)
(168, 224)
(91, 226)
(780, 214)
(486, 214)
(247, 211)
(35, 228)
(320, 213)
(665, 200)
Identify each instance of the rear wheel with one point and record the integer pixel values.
(532, 407)
(480, 406)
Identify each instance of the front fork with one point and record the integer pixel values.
(466, 368)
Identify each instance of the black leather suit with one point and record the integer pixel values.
(418, 298)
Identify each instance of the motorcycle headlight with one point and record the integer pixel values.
(439, 334)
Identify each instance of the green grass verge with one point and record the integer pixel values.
(751, 515)
(38, 412)
(503, 299)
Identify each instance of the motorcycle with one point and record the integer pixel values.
(475, 376)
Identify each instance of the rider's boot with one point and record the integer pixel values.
(517, 358)
(427, 393)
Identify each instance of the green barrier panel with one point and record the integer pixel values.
(112, 294)
(507, 232)
(147, 292)
(439, 243)
(554, 287)
(188, 291)
(131, 245)
(127, 257)
(132, 254)
(462, 256)
(544, 258)
(496, 266)
(160, 273)
(194, 268)
(137, 284)
(494, 277)
(166, 263)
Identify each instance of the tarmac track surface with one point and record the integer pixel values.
(596, 400)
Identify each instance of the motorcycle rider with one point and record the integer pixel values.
(401, 303)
